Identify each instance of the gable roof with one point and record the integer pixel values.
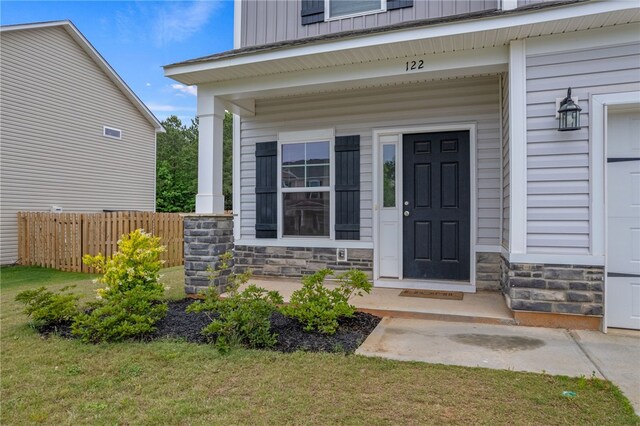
(73, 31)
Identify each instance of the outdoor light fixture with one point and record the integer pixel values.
(569, 114)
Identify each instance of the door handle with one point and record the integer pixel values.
(406, 213)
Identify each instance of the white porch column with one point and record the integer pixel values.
(211, 117)
(518, 146)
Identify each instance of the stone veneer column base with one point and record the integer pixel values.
(206, 237)
(553, 295)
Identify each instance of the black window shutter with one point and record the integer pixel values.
(399, 4)
(267, 190)
(312, 11)
(347, 187)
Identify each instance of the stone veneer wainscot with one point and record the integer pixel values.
(298, 261)
(561, 289)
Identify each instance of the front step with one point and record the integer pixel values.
(440, 317)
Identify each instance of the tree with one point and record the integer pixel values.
(227, 159)
(177, 165)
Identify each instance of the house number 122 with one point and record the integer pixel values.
(414, 65)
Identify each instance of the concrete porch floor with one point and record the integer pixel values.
(481, 307)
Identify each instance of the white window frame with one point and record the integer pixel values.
(305, 136)
(328, 17)
(104, 132)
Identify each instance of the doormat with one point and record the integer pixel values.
(433, 294)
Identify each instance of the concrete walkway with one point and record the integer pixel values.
(614, 356)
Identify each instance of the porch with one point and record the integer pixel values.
(481, 307)
(523, 197)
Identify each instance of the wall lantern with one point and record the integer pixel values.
(569, 114)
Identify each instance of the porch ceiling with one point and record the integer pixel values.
(398, 46)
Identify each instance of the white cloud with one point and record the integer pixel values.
(148, 84)
(177, 21)
(189, 90)
(155, 107)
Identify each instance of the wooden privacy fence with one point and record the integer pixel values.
(59, 240)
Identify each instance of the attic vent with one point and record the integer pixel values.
(110, 132)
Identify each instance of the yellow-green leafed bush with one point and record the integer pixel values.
(131, 303)
(136, 264)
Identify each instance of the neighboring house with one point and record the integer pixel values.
(419, 141)
(73, 136)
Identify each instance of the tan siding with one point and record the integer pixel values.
(55, 101)
(558, 171)
(268, 21)
(359, 112)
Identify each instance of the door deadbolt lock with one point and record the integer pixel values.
(406, 203)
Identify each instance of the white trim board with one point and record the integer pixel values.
(235, 176)
(518, 147)
(555, 259)
(471, 127)
(237, 24)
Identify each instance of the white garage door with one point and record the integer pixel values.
(623, 217)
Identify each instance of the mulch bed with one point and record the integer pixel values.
(187, 326)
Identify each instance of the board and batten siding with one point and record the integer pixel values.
(358, 112)
(269, 21)
(506, 190)
(558, 175)
(55, 102)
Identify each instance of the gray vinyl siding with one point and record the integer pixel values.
(268, 21)
(359, 112)
(506, 190)
(558, 186)
(55, 101)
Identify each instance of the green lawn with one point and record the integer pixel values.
(58, 381)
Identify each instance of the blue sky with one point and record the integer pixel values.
(138, 38)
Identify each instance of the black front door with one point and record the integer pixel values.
(436, 205)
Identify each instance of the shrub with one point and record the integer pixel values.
(319, 308)
(136, 264)
(241, 317)
(49, 309)
(131, 303)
